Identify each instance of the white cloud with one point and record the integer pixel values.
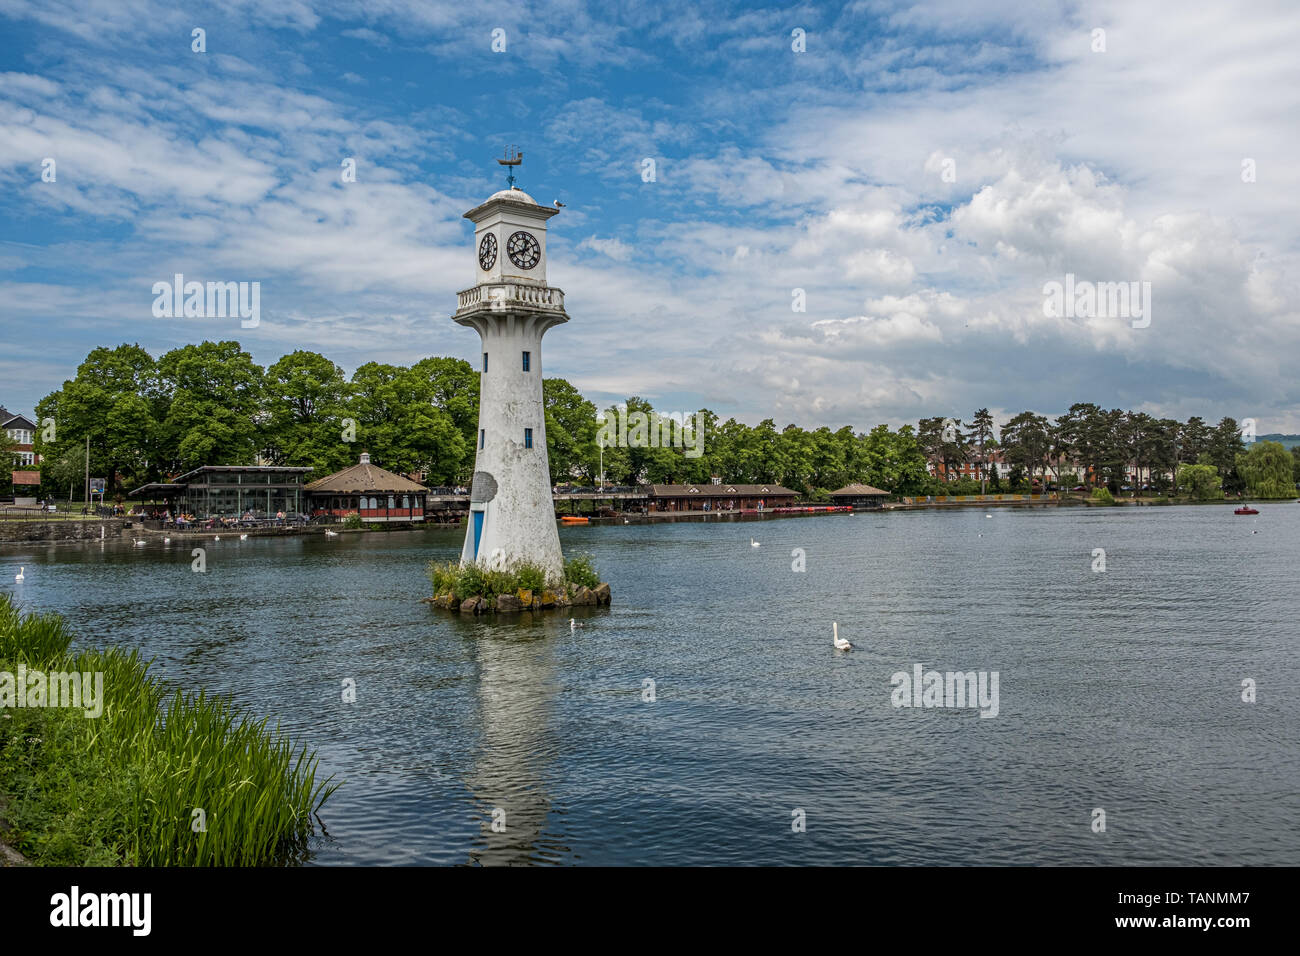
(613, 248)
(821, 172)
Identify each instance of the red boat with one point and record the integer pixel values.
(1245, 510)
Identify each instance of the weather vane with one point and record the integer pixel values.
(513, 158)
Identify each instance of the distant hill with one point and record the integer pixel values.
(1289, 440)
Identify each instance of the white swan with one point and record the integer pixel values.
(167, 540)
(331, 534)
(243, 537)
(754, 544)
(841, 644)
(574, 625)
(20, 576)
(139, 544)
(216, 537)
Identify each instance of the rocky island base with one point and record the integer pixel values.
(522, 600)
(475, 589)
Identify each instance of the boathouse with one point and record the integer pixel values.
(860, 496)
(375, 494)
(719, 497)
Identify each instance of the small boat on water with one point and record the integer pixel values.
(1245, 510)
(574, 519)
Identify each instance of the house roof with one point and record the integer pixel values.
(8, 419)
(857, 490)
(364, 477)
(719, 491)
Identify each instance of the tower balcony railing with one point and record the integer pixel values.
(506, 295)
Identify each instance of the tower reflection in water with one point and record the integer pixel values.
(517, 744)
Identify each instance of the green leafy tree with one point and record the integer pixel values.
(1079, 435)
(943, 443)
(1163, 451)
(981, 433)
(1141, 440)
(799, 457)
(1200, 482)
(1113, 442)
(114, 401)
(1222, 447)
(8, 462)
(1027, 443)
(1267, 470)
(1193, 440)
(893, 461)
(215, 412)
(306, 407)
(1017, 479)
(454, 388)
(638, 460)
(403, 429)
(570, 431)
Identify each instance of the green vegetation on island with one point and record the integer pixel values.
(516, 586)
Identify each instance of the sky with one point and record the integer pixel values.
(854, 214)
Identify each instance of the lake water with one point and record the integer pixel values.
(1119, 690)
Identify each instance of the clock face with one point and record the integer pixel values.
(487, 252)
(524, 250)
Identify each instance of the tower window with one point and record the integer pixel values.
(527, 357)
(485, 361)
(482, 437)
(528, 434)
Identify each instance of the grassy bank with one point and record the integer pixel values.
(123, 788)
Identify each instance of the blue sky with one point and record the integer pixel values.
(919, 171)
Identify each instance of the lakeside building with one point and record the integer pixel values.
(860, 496)
(21, 430)
(374, 493)
(719, 497)
(998, 466)
(216, 491)
(969, 468)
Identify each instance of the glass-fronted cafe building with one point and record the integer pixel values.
(232, 490)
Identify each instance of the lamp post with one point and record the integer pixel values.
(600, 421)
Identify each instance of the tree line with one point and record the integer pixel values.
(1117, 449)
(207, 404)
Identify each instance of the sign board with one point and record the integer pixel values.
(96, 486)
(26, 477)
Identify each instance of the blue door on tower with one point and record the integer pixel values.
(478, 531)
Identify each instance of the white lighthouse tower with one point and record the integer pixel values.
(512, 513)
